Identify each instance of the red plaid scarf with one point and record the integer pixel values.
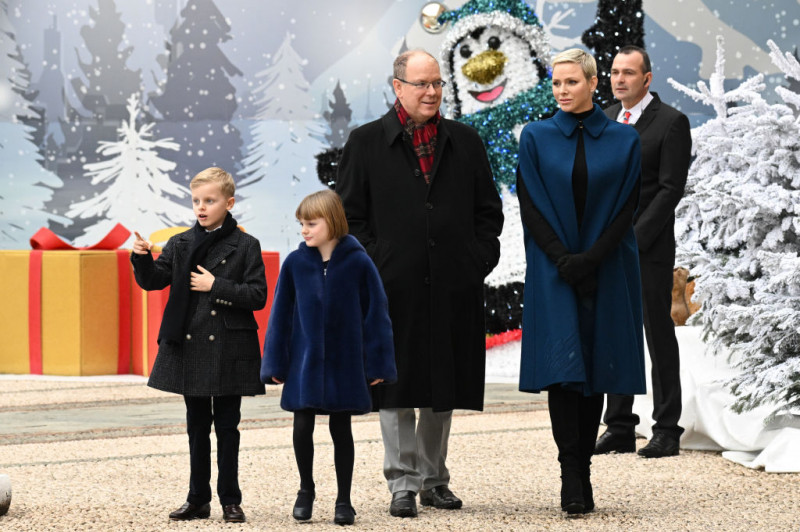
(423, 138)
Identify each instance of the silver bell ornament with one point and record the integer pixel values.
(429, 17)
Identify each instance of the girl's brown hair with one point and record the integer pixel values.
(325, 204)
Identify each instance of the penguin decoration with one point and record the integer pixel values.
(495, 59)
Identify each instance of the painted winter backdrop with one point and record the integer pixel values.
(252, 86)
(108, 108)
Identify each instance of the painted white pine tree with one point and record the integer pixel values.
(25, 186)
(280, 167)
(140, 194)
(282, 94)
(738, 229)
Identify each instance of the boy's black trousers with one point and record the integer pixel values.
(225, 413)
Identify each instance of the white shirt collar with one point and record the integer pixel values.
(636, 111)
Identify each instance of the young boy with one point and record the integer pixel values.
(208, 347)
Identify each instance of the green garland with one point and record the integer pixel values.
(496, 124)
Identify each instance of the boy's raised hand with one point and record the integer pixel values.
(140, 245)
(201, 282)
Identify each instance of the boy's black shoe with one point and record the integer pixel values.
(191, 511)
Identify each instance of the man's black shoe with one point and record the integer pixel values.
(615, 443)
(660, 445)
(404, 504)
(233, 513)
(440, 497)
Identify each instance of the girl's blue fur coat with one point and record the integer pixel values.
(329, 334)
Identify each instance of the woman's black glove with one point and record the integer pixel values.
(574, 267)
(580, 271)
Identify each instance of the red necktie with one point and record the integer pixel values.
(627, 115)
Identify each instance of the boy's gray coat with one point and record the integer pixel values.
(221, 353)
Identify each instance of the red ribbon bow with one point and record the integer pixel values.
(47, 240)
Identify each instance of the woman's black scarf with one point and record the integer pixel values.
(173, 323)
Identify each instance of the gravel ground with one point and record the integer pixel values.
(502, 464)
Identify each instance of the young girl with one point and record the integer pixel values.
(328, 340)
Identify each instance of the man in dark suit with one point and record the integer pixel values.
(666, 155)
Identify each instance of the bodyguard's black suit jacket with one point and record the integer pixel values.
(666, 155)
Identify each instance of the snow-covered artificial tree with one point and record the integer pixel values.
(138, 191)
(738, 230)
(25, 186)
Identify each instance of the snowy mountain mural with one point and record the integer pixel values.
(244, 85)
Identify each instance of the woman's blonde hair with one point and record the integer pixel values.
(325, 204)
(215, 175)
(579, 57)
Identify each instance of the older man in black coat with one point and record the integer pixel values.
(419, 195)
(666, 155)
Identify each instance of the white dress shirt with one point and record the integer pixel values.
(635, 111)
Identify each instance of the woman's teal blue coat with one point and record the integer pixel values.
(329, 332)
(552, 350)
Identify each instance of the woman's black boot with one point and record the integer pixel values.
(565, 418)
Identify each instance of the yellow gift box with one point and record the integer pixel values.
(64, 312)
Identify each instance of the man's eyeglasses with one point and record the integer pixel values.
(423, 85)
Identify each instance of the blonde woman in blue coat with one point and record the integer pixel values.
(328, 340)
(578, 187)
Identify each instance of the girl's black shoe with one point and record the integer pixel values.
(303, 505)
(345, 514)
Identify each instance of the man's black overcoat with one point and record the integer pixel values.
(433, 246)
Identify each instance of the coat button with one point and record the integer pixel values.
(427, 280)
(211, 338)
(188, 336)
(217, 300)
(213, 312)
(223, 261)
(429, 206)
(431, 242)
(417, 172)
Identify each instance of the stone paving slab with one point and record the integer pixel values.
(115, 458)
(31, 417)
